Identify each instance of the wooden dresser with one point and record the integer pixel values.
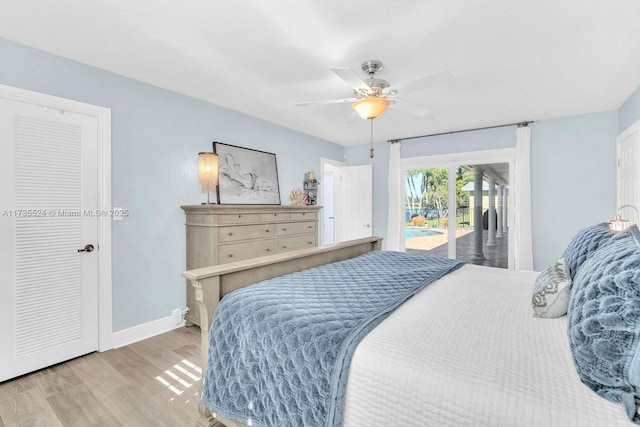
(218, 234)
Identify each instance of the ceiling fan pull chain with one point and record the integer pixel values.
(371, 149)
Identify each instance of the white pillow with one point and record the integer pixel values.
(551, 291)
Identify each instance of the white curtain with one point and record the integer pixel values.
(523, 244)
(394, 219)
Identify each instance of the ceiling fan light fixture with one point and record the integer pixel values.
(371, 107)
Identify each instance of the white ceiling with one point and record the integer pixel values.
(512, 60)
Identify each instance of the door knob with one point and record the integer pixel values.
(88, 248)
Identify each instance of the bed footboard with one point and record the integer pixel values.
(213, 283)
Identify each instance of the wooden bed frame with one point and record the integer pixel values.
(213, 283)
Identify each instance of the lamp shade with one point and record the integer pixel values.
(620, 224)
(371, 108)
(208, 171)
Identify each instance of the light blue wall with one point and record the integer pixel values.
(156, 135)
(629, 112)
(573, 179)
(572, 174)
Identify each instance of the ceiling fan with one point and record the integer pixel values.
(372, 95)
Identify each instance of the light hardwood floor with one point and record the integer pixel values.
(155, 382)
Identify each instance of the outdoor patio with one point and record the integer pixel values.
(495, 256)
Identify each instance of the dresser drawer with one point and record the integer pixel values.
(304, 216)
(245, 232)
(252, 218)
(288, 229)
(242, 251)
(275, 217)
(285, 244)
(238, 218)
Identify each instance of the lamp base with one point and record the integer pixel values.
(208, 202)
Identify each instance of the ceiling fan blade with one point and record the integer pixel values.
(432, 80)
(352, 79)
(412, 108)
(326, 101)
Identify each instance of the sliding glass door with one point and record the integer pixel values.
(458, 210)
(426, 210)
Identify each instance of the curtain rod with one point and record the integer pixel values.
(519, 124)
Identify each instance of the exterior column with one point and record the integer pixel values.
(499, 233)
(477, 216)
(505, 206)
(491, 235)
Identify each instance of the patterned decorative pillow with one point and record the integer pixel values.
(551, 291)
(585, 243)
(604, 321)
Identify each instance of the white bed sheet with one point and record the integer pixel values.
(467, 351)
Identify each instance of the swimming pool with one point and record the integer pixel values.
(419, 232)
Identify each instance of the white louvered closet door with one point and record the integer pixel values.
(48, 197)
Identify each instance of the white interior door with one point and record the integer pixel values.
(328, 208)
(354, 213)
(628, 176)
(48, 201)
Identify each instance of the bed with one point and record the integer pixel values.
(466, 350)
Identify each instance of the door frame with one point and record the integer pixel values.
(502, 155)
(103, 117)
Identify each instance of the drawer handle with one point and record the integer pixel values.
(304, 213)
(268, 250)
(266, 231)
(239, 215)
(309, 243)
(284, 246)
(308, 226)
(230, 234)
(230, 255)
(284, 229)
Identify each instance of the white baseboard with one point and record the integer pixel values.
(144, 331)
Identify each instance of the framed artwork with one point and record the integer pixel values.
(246, 176)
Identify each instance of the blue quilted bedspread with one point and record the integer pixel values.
(279, 350)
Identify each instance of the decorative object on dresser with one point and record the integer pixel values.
(247, 176)
(208, 173)
(297, 197)
(310, 187)
(220, 234)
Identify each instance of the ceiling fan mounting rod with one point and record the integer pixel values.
(371, 67)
